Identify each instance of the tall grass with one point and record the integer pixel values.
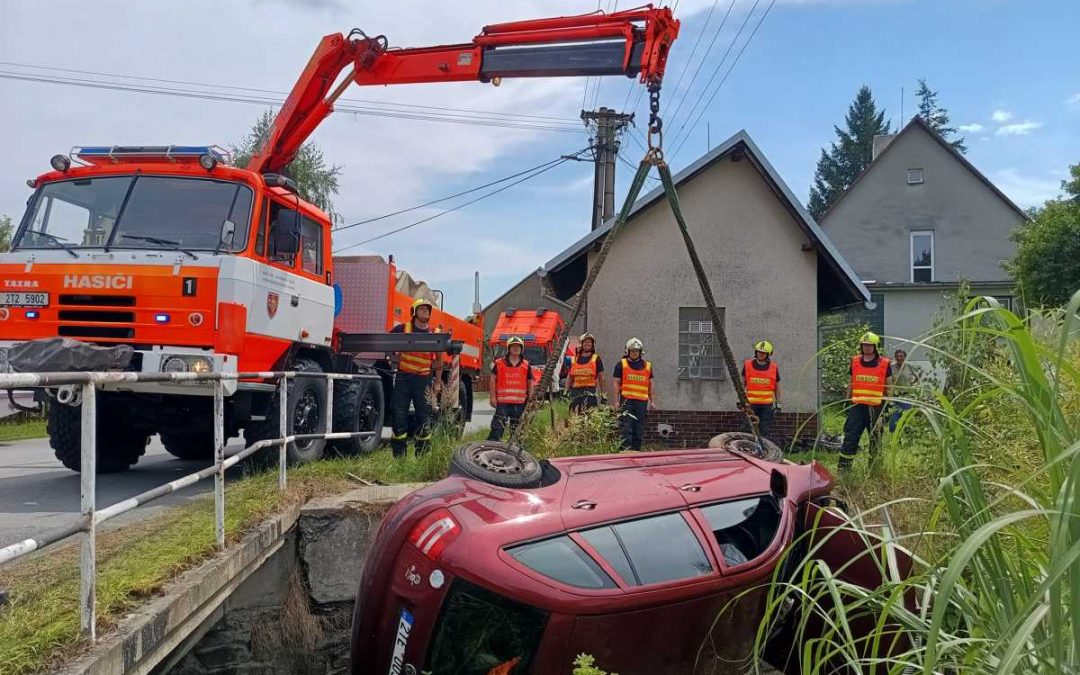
(997, 565)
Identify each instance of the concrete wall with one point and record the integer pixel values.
(871, 225)
(751, 249)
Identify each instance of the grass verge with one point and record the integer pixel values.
(19, 430)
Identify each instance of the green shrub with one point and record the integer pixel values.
(586, 665)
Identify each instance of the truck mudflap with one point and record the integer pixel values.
(61, 355)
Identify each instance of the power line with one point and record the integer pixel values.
(693, 51)
(471, 111)
(460, 206)
(443, 199)
(719, 86)
(236, 98)
(716, 71)
(704, 59)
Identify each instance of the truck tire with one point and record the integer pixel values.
(306, 414)
(359, 406)
(118, 448)
(495, 464)
(743, 441)
(197, 445)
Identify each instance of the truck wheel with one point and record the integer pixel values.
(306, 414)
(198, 445)
(743, 441)
(358, 406)
(118, 449)
(494, 463)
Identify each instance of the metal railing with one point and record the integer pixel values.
(90, 517)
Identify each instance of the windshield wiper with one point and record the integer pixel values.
(161, 242)
(59, 241)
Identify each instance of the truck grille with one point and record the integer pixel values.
(98, 300)
(96, 316)
(114, 332)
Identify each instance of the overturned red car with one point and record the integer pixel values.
(630, 558)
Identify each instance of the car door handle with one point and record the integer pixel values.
(690, 487)
(584, 504)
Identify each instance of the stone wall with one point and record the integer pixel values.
(694, 428)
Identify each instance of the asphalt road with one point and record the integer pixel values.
(38, 494)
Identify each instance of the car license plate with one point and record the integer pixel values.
(23, 299)
(405, 624)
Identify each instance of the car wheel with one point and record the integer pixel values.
(745, 442)
(496, 464)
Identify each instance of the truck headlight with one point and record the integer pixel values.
(199, 364)
(174, 364)
(184, 364)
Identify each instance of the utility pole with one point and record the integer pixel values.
(606, 146)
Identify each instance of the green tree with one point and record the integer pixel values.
(1047, 261)
(937, 117)
(850, 154)
(7, 228)
(317, 181)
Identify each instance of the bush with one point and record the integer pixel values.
(835, 361)
(593, 433)
(586, 665)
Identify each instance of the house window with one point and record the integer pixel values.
(914, 176)
(699, 351)
(1006, 301)
(922, 256)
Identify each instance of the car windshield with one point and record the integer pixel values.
(156, 212)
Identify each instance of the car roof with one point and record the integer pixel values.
(611, 487)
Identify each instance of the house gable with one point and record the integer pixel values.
(872, 223)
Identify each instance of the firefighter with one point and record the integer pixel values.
(633, 393)
(417, 373)
(870, 373)
(762, 379)
(585, 375)
(511, 388)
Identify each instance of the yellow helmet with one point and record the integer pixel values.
(763, 346)
(634, 343)
(869, 338)
(514, 340)
(417, 303)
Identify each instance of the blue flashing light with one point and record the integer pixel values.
(32, 314)
(161, 318)
(146, 151)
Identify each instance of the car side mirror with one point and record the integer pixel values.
(778, 484)
(228, 235)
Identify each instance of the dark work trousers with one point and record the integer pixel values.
(409, 388)
(860, 418)
(506, 415)
(582, 399)
(765, 413)
(632, 422)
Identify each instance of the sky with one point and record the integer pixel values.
(1008, 71)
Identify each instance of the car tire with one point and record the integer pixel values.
(745, 442)
(118, 448)
(358, 406)
(190, 446)
(496, 464)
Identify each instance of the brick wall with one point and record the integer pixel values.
(694, 428)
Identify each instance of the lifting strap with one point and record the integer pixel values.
(653, 157)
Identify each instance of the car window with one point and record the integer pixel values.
(562, 560)
(745, 528)
(605, 542)
(311, 246)
(658, 549)
(479, 630)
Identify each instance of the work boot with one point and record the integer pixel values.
(399, 444)
(423, 444)
(844, 465)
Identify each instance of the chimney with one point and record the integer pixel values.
(880, 143)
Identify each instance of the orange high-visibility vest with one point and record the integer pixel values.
(868, 384)
(634, 384)
(583, 375)
(415, 363)
(512, 382)
(760, 384)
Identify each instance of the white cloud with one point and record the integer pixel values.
(1001, 116)
(973, 128)
(1019, 128)
(1026, 190)
(1074, 99)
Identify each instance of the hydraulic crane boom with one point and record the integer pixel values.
(632, 42)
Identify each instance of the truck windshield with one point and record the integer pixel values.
(156, 212)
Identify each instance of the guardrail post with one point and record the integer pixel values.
(87, 479)
(219, 463)
(329, 405)
(283, 430)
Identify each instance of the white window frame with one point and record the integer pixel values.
(921, 175)
(911, 254)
